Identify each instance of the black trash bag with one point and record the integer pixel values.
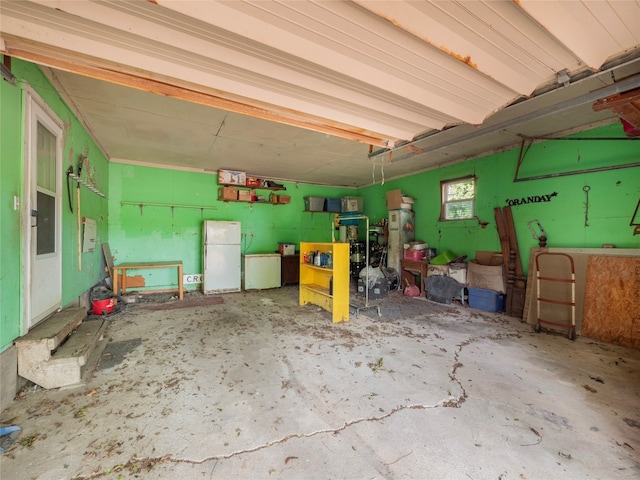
(442, 288)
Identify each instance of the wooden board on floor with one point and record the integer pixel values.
(612, 300)
(108, 259)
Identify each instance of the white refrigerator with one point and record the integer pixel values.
(221, 257)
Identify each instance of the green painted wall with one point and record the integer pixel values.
(613, 196)
(75, 280)
(154, 233)
(11, 127)
(163, 233)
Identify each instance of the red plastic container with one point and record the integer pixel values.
(414, 254)
(102, 307)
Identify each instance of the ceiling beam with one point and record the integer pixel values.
(103, 70)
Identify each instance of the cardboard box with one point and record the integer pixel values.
(287, 249)
(407, 203)
(488, 258)
(232, 177)
(227, 193)
(246, 195)
(284, 199)
(487, 277)
(396, 200)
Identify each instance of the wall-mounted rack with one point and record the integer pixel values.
(87, 185)
(142, 205)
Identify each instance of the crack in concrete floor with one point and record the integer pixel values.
(134, 462)
(304, 352)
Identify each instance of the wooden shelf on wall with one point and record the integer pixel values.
(225, 196)
(248, 187)
(252, 201)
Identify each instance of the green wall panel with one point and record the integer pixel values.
(11, 126)
(168, 230)
(160, 232)
(76, 278)
(613, 196)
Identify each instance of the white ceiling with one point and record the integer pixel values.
(300, 90)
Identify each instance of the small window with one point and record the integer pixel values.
(458, 198)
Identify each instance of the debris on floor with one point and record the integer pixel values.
(257, 386)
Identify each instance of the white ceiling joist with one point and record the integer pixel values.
(382, 72)
(387, 69)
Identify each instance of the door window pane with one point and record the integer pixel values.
(46, 153)
(46, 229)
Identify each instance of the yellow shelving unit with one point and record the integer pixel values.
(315, 281)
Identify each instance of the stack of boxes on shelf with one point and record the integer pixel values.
(396, 200)
(227, 178)
(230, 182)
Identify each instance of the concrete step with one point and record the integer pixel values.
(65, 367)
(64, 364)
(80, 345)
(55, 329)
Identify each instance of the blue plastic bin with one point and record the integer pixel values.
(487, 300)
(333, 205)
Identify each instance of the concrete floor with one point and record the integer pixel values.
(257, 387)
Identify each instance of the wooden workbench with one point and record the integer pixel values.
(123, 267)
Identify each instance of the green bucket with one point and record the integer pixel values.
(445, 257)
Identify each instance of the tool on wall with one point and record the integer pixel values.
(540, 234)
(635, 222)
(81, 160)
(586, 189)
(69, 173)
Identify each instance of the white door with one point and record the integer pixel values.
(43, 211)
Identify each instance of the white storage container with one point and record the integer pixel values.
(459, 272)
(352, 204)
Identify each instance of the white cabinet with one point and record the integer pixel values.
(262, 271)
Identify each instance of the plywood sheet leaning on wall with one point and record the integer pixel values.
(612, 300)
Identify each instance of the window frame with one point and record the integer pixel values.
(443, 197)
